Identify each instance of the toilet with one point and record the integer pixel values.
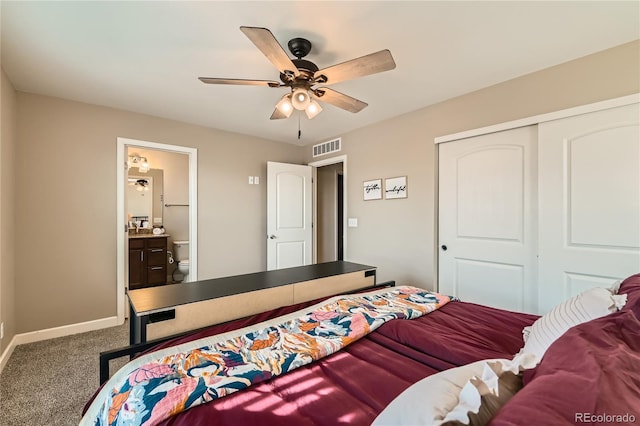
(181, 253)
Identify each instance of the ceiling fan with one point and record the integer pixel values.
(304, 78)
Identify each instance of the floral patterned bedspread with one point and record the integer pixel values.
(160, 384)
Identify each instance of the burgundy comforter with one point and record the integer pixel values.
(590, 375)
(354, 385)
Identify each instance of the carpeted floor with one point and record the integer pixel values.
(49, 382)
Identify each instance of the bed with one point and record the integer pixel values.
(591, 370)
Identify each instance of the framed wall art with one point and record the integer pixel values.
(372, 189)
(395, 187)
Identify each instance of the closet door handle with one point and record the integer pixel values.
(141, 255)
(156, 268)
(443, 247)
(156, 250)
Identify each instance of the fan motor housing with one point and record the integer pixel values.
(300, 47)
(307, 70)
(304, 65)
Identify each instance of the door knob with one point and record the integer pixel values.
(272, 237)
(443, 247)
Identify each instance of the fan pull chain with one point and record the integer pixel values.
(299, 131)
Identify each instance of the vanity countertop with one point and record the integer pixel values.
(149, 235)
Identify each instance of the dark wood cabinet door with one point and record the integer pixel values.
(147, 262)
(137, 268)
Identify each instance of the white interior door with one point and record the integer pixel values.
(589, 202)
(289, 215)
(487, 219)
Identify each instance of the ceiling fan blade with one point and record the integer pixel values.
(238, 81)
(269, 46)
(339, 99)
(359, 67)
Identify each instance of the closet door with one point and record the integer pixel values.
(487, 218)
(589, 168)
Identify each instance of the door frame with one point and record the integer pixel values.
(122, 242)
(327, 162)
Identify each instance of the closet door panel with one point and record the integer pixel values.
(487, 209)
(603, 188)
(490, 185)
(589, 186)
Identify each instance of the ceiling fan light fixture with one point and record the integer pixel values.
(300, 99)
(285, 106)
(313, 109)
(144, 166)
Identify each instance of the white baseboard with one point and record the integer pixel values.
(4, 358)
(52, 333)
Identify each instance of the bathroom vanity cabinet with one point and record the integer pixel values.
(147, 261)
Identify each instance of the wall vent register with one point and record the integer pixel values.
(324, 148)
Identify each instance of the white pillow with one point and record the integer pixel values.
(429, 401)
(590, 304)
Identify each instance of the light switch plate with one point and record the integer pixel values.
(250, 180)
(256, 180)
(352, 222)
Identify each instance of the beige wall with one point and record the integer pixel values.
(398, 236)
(7, 192)
(66, 250)
(65, 246)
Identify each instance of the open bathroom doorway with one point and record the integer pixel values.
(330, 205)
(159, 182)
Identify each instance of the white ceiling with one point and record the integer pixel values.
(146, 56)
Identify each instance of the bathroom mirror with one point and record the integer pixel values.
(144, 195)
